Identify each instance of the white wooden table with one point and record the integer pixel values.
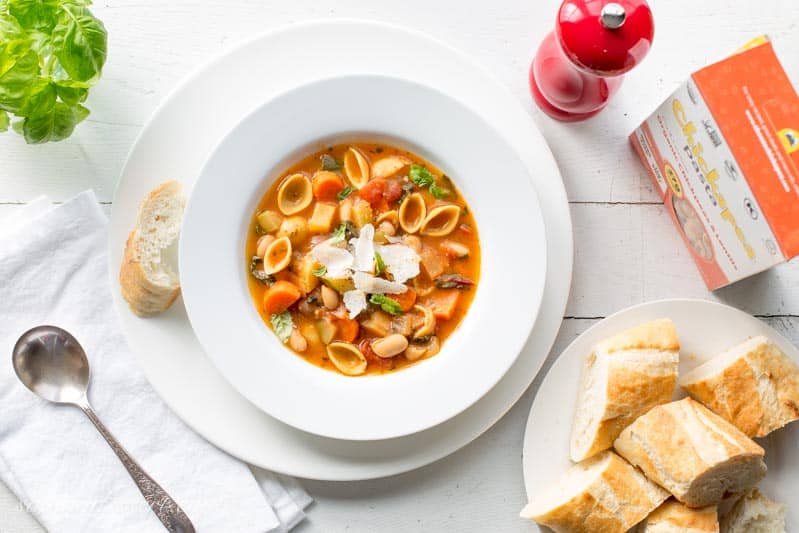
(626, 250)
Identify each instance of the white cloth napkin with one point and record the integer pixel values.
(53, 270)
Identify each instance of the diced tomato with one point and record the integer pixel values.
(372, 192)
(371, 357)
(393, 191)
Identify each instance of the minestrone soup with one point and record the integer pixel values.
(363, 258)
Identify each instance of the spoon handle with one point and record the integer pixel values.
(165, 508)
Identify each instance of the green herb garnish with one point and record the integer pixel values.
(319, 272)
(421, 176)
(438, 192)
(346, 191)
(329, 162)
(380, 265)
(51, 53)
(344, 231)
(282, 324)
(386, 304)
(258, 272)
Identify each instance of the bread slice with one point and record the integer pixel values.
(674, 517)
(754, 513)
(753, 385)
(623, 378)
(603, 493)
(696, 455)
(149, 283)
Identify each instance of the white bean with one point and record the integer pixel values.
(263, 243)
(330, 298)
(389, 346)
(297, 341)
(387, 228)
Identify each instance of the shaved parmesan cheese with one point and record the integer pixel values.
(393, 239)
(363, 249)
(401, 261)
(373, 285)
(355, 302)
(337, 261)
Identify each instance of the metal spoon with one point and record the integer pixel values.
(52, 364)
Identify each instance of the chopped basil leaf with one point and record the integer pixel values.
(453, 281)
(438, 192)
(329, 162)
(340, 233)
(421, 176)
(282, 324)
(319, 272)
(348, 190)
(386, 304)
(258, 273)
(380, 266)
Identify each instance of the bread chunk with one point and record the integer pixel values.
(754, 513)
(674, 517)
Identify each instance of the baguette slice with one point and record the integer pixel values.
(149, 284)
(674, 517)
(753, 385)
(754, 513)
(623, 378)
(603, 493)
(695, 454)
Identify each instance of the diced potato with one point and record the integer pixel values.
(345, 209)
(379, 323)
(269, 221)
(326, 329)
(433, 262)
(295, 228)
(402, 324)
(340, 285)
(310, 333)
(308, 281)
(322, 218)
(455, 249)
(361, 213)
(444, 302)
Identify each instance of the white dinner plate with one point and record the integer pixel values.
(705, 329)
(176, 143)
(425, 121)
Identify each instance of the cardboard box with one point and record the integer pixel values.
(723, 150)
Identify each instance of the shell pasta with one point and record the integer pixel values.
(363, 258)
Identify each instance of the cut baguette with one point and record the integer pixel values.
(754, 513)
(695, 454)
(603, 493)
(674, 517)
(753, 385)
(623, 377)
(149, 284)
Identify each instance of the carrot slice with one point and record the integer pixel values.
(443, 303)
(280, 296)
(326, 185)
(347, 329)
(405, 299)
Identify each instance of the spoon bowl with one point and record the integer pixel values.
(52, 364)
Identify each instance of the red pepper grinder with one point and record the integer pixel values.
(580, 65)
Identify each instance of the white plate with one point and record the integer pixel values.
(219, 217)
(705, 329)
(175, 144)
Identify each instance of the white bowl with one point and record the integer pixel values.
(214, 276)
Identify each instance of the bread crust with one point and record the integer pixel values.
(674, 517)
(735, 394)
(630, 390)
(618, 499)
(683, 447)
(144, 297)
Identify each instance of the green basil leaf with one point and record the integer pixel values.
(70, 94)
(4, 121)
(39, 15)
(319, 272)
(16, 80)
(380, 265)
(421, 176)
(438, 192)
(41, 99)
(346, 191)
(387, 304)
(80, 43)
(282, 323)
(55, 125)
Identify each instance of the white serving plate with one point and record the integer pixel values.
(498, 188)
(705, 329)
(176, 143)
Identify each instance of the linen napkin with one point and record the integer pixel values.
(53, 270)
